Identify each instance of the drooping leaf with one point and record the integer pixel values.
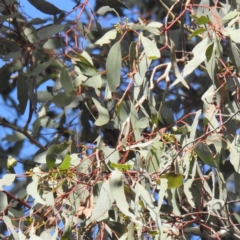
(113, 66)
(142, 123)
(3, 201)
(61, 100)
(45, 7)
(121, 167)
(175, 65)
(66, 82)
(196, 32)
(7, 180)
(15, 137)
(103, 204)
(234, 35)
(4, 18)
(229, 16)
(187, 185)
(49, 31)
(234, 55)
(66, 163)
(53, 152)
(202, 20)
(103, 10)
(103, 115)
(205, 154)
(209, 51)
(150, 48)
(9, 224)
(38, 69)
(116, 187)
(174, 180)
(107, 37)
(234, 157)
(32, 189)
(22, 93)
(199, 57)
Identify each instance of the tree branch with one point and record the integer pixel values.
(5, 123)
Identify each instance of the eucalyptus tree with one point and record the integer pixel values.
(120, 120)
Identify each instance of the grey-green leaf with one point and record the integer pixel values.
(8, 223)
(113, 66)
(22, 93)
(61, 100)
(66, 82)
(150, 48)
(7, 180)
(45, 7)
(49, 31)
(142, 123)
(3, 201)
(103, 203)
(107, 37)
(205, 154)
(103, 115)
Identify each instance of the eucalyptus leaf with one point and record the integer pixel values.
(113, 66)
(45, 7)
(150, 48)
(66, 82)
(103, 115)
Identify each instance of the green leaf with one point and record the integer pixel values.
(107, 37)
(53, 153)
(196, 32)
(174, 180)
(113, 66)
(103, 115)
(202, 20)
(150, 48)
(209, 51)
(121, 167)
(51, 156)
(66, 82)
(45, 7)
(132, 52)
(66, 163)
(61, 100)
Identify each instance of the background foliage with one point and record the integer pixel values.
(133, 111)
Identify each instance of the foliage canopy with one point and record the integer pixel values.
(124, 120)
